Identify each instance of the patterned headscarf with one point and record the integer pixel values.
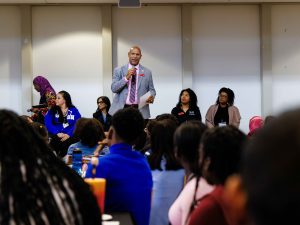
(44, 85)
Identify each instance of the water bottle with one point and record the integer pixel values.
(77, 161)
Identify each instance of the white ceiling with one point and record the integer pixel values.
(142, 1)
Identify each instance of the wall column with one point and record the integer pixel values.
(187, 53)
(266, 59)
(106, 13)
(26, 57)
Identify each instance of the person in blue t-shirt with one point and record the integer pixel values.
(91, 134)
(127, 173)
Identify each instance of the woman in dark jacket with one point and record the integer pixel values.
(102, 114)
(186, 108)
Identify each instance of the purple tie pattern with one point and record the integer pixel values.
(132, 89)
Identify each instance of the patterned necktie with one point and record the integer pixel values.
(132, 89)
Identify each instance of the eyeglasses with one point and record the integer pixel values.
(100, 102)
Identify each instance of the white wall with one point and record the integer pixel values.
(10, 59)
(157, 30)
(285, 56)
(226, 53)
(67, 49)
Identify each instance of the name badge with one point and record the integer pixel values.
(65, 125)
(192, 113)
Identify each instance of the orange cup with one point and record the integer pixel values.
(98, 188)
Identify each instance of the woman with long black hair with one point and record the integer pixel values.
(186, 108)
(186, 142)
(36, 186)
(102, 114)
(60, 122)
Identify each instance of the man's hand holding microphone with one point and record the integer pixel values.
(131, 72)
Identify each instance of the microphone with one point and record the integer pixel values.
(134, 70)
(29, 110)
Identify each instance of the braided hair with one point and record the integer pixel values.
(35, 186)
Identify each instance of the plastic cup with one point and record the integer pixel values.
(98, 188)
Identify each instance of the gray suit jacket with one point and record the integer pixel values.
(119, 86)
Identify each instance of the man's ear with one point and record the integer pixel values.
(236, 199)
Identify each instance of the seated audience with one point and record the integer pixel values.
(165, 116)
(37, 187)
(90, 132)
(102, 114)
(47, 98)
(255, 123)
(223, 113)
(41, 130)
(60, 121)
(186, 108)
(167, 173)
(146, 149)
(26, 118)
(220, 153)
(186, 142)
(267, 191)
(269, 119)
(141, 143)
(127, 173)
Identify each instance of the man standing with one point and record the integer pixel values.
(127, 172)
(130, 82)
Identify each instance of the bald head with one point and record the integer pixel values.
(134, 55)
(135, 47)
